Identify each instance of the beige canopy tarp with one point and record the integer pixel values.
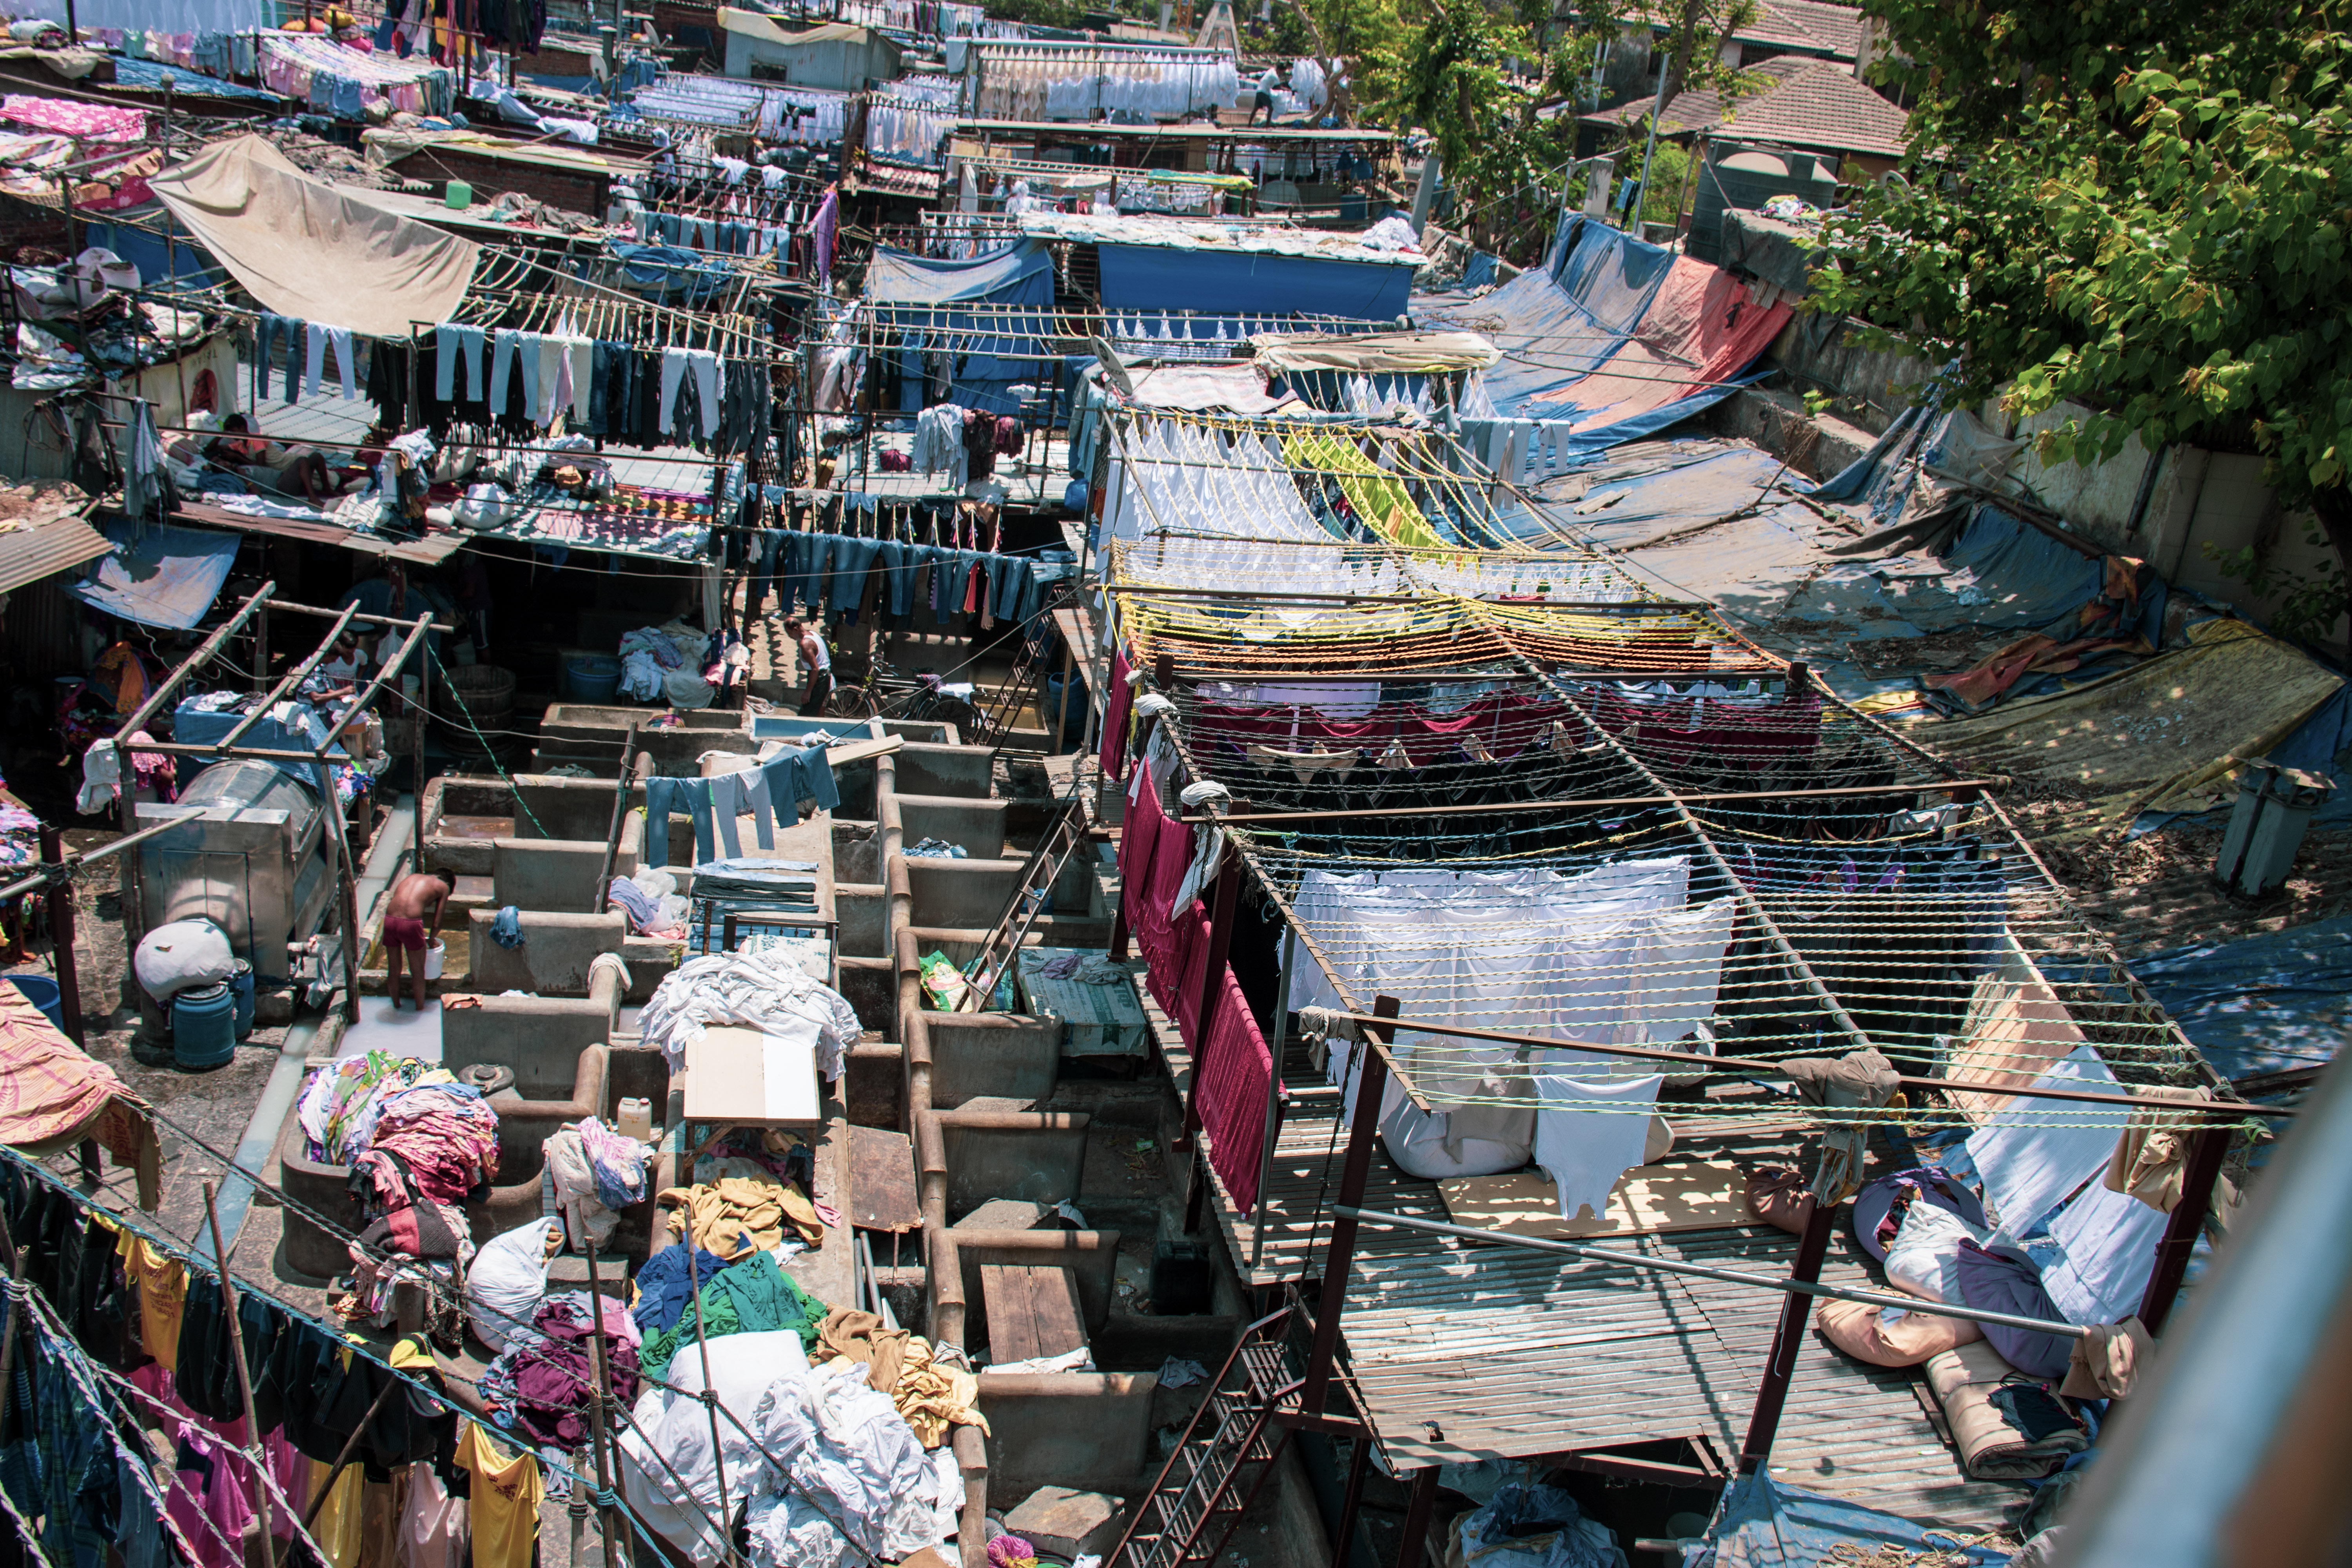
(308, 249)
(1375, 353)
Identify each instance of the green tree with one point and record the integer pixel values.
(2138, 207)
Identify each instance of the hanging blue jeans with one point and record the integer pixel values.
(1004, 574)
(663, 797)
(853, 558)
(511, 346)
(766, 548)
(807, 571)
(265, 330)
(897, 561)
(452, 342)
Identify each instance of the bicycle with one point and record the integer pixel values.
(888, 693)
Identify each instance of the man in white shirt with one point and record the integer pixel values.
(818, 660)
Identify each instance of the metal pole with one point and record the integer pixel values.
(61, 934)
(244, 1378)
(196, 661)
(1371, 1078)
(1415, 1544)
(1773, 1393)
(600, 1401)
(2204, 1168)
(423, 709)
(1343, 1541)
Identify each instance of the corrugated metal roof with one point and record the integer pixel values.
(1517, 1353)
(30, 554)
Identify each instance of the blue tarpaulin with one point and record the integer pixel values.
(187, 83)
(1761, 1525)
(1559, 323)
(1159, 277)
(158, 575)
(2262, 1003)
(659, 271)
(915, 294)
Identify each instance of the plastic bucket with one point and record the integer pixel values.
(459, 196)
(240, 990)
(434, 952)
(204, 1027)
(594, 678)
(42, 992)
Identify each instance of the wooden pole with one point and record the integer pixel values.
(620, 815)
(710, 1398)
(423, 708)
(338, 866)
(244, 1378)
(2206, 1151)
(599, 1407)
(335, 1470)
(1773, 1393)
(60, 899)
(1363, 1129)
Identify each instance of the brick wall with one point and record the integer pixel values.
(582, 192)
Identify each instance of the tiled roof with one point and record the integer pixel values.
(1814, 27)
(1833, 30)
(1820, 106)
(1702, 107)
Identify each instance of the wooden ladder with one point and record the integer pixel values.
(1065, 835)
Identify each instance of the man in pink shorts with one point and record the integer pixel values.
(412, 919)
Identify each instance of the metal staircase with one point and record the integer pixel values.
(1228, 1450)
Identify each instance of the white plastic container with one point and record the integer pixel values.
(635, 1120)
(434, 954)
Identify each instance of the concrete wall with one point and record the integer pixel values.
(1087, 1430)
(1874, 385)
(553, 807)
(926, 769)
(977, 826)
(555, 954)
(540, 1037)
(1036, 1155)
(559, 873)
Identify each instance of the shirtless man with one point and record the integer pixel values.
(410, 924)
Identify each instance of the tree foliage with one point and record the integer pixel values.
(2136, 205)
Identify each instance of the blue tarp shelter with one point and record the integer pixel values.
(1759, 1524)
(1154, 278)
(917, 296)
(158, 575)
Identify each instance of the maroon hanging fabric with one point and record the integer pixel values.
(1117, 704)
(1233, 1069)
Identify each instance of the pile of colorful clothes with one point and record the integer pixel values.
(539, 1385)
(341, 1102)
(753, 1296)
(596, 1172)
(436, 1143)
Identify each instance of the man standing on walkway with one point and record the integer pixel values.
(817, 660)
(412, 919)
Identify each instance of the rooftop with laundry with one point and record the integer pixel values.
(902, 787)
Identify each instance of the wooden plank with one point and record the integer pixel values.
(1032, 1312)
(882, 1178)
(1646, 1198)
